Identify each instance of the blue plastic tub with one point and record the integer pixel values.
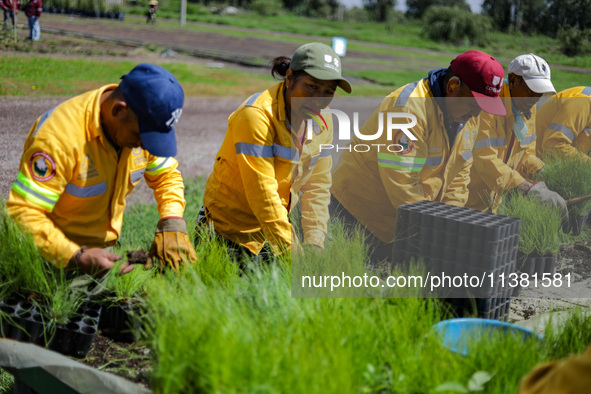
(457, 333)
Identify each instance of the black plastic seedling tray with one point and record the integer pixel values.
(460, 241)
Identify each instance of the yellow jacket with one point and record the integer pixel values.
(371, 185)
(501, 162)
(259, 173)
(71, 186)
(565, 124)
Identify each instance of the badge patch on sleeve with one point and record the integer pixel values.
(42, 166)
(406, 145)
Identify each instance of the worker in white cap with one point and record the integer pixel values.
(505, 148)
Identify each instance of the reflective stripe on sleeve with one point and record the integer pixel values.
(86, 191)
(405, 94)
(158, 165)
(389, 160)
(323, 153)
(136, 175)
(243, 148)
(466, 155)
(286, 153)
(433, 161)
(31, 191)
(586, 91)
(267, 151)
(528, 140)
(489, 143)
(563, 129)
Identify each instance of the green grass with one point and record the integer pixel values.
(540, 224)
(570, 177)
(23, 272)
(46, 76)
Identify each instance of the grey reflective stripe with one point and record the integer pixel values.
(489, 143)
(34, 193)
(433, 161)
(252, 99)
(254, 150)
(467, 155)
(586, 91)
(563, 129)
(323, 153)
(164, 163)
(404, 95)
(285, 153)
(587, 131)
(42, 119)
(528, 140)
(402, 164)
(136, 175)
(86, 191)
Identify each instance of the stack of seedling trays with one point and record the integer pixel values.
(461, 242)
(24, 321)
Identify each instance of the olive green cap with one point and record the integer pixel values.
(321, 62)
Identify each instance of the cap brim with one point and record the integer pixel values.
(325, 75)
(492, 105)
(156, 142)
(540, 85)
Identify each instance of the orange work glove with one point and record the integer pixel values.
(171, 243)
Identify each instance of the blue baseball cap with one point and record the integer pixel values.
(157, 98)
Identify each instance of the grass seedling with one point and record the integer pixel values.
(540, 224)
(121, 289)
(570, 177)
(26, 273)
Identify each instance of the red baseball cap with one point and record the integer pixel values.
(484, 76)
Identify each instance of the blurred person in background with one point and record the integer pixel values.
(33, 10)
(10, 8)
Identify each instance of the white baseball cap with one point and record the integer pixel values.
(535, 72)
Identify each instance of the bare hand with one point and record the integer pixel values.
(97, 262)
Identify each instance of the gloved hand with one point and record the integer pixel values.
(540, 191)
(171, 243)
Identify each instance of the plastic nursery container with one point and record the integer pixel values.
(460, 241)
(534, 264)
(25, 323)
(577, 222)
(120, 323)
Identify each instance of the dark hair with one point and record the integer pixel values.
(449, 74)
(279, 67)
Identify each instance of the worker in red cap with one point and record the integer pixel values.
(428, 160)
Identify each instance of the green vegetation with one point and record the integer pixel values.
(457, 26)
(540, 224)
(25, 273)
(49, 76)
(570, 177)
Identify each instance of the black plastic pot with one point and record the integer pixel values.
(120, 322)
(577, 222)
(533, 264)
